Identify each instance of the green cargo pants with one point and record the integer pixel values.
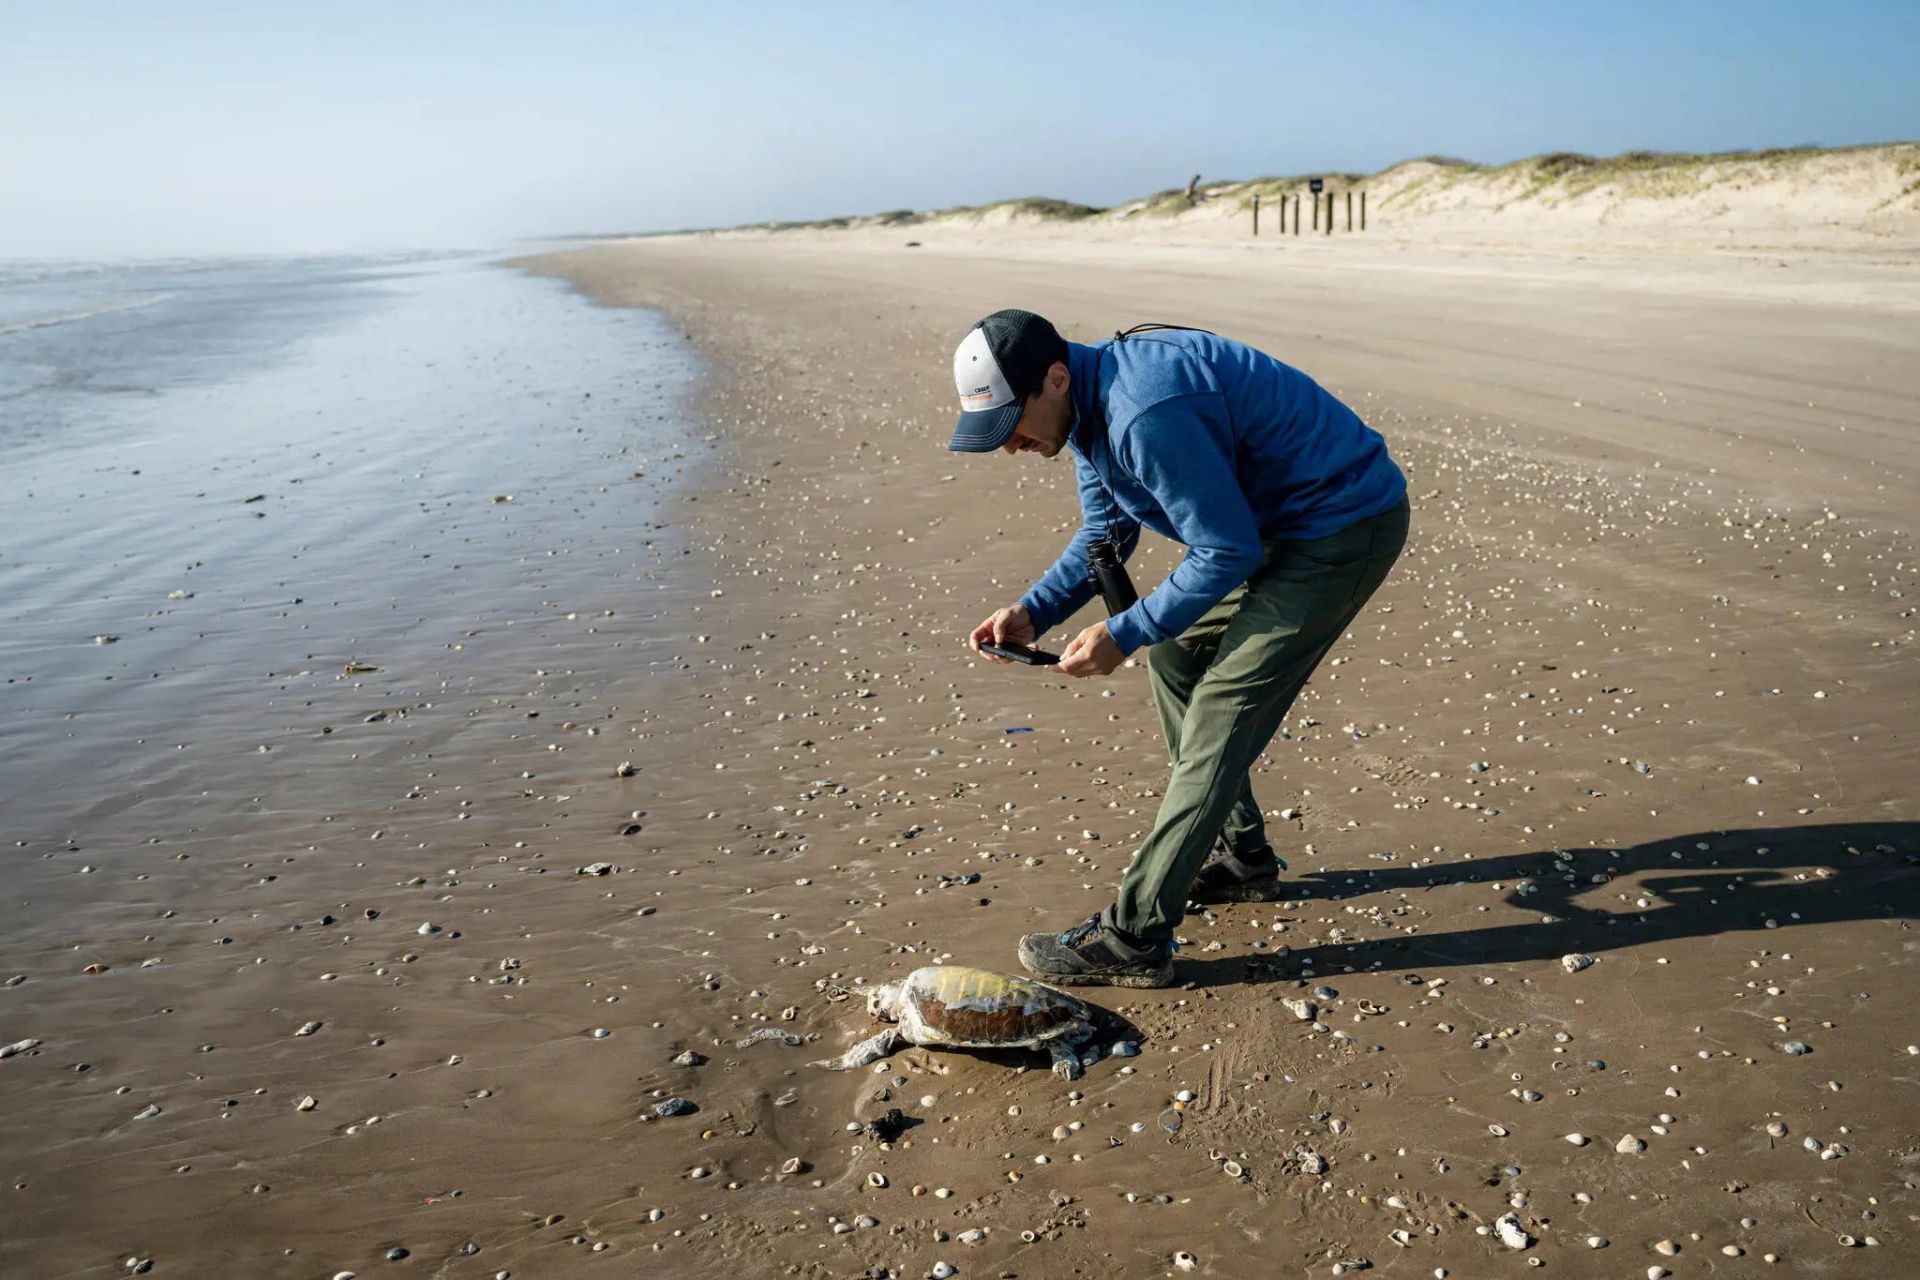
(1223, 688)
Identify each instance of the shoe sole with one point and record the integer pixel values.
(1161, 977)
(1108, 979)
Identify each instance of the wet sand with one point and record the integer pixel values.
(1641, 690)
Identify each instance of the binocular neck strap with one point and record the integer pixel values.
(1154, 326)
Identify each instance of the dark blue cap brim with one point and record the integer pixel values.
(987, 430)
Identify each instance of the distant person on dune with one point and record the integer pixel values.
(1292, 513)
(1193, 191)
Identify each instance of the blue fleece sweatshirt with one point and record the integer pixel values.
(1213, 444)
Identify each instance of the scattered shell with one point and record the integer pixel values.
(1574, 962)
(1578, 1139)
(877, 1180)
(1233, 1170)
(307, 1103)
(1598, 1242)
(1511, 1233)
(18, 1047)
(1797, 1048)
(1630, 1145)
(941, 1271)
(793, 1165)
(675, 1107)
(1185, 1261)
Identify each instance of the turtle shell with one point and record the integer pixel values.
(975, 1009)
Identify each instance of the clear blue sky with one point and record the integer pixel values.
(185, 127)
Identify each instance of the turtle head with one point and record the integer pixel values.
(883, 1002)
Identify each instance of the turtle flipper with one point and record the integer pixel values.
(870, 1050)
(1066, 1059)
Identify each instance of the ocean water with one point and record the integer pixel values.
(222, 482)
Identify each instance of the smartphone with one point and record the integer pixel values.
(1020, 653)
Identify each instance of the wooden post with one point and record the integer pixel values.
(1329, 230)
(1256, 215)
(1349, 210)
(1316, 211)
(1296, 214)
(1363, 208)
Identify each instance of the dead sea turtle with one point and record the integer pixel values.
(954, 1007)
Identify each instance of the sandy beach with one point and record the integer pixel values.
(1637, 692)
(1641, 691)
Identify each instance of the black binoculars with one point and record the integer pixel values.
(1108, 573)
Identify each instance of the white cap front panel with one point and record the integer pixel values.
(977, 376)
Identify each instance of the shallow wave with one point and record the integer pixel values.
(19, 271)
(46, 322)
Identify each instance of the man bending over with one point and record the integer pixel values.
(1292, 513)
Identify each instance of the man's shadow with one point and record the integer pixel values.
(1762, 878)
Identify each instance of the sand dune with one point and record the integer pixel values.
(1856, 198)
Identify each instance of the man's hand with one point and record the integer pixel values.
(1011, 623)
(1092, 653)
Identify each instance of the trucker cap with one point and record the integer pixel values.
(1000, 362)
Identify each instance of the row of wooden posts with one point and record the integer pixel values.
(1318, 219)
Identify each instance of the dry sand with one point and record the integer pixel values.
(1642, 689)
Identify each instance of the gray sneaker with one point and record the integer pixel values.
(1092, 954)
